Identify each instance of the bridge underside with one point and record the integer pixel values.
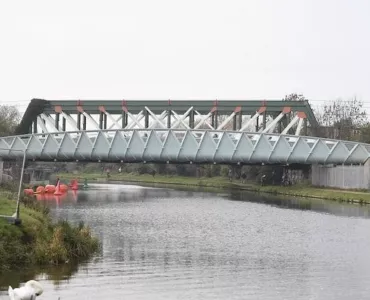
(182, 146)
(287, 117)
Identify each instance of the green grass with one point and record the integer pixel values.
(314, 192)
(356, 196)
(38, 240)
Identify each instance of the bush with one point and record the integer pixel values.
(67, 243)
(38, 240)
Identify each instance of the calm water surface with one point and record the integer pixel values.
(160, 243)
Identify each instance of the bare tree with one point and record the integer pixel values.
(9, 119)
(294, 97)
(347, 112)
(344, 116)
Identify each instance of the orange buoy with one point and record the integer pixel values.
(40, 190)
(50, 188)
(63, 188)
(57, 189)
(74, 184)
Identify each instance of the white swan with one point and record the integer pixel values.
(29, 291)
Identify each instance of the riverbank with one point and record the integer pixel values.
(222, 182)
(39, 241)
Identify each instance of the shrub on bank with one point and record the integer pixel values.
(40, 241)
(67, 243)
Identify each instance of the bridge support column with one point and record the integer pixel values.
(191, 119)
(43, 121)
(35, 126)
(305, 127)
(64, 124)
(169, 118)
(105, 121)
(264, 120)
(101, 120)
(124, 119)
(169, 112)
(237, 121)
(214, 119)
(57, 116)
(146, 120)
(84, 122)
(79, 121)
(240, 120)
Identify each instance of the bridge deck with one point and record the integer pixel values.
(183, 146)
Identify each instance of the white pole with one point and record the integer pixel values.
(20, 186)
(16, 215)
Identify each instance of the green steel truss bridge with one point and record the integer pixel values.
(222, 132)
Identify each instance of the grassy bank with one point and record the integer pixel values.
(222, 182)
(39, 241)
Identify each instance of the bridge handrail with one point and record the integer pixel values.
(294, 137)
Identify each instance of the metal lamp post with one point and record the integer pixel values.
(15, 217)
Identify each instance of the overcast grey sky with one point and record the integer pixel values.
(206, 49)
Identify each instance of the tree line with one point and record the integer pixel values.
(340, 119)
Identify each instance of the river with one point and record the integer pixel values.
(162, 243)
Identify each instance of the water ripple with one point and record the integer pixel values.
(165, 244)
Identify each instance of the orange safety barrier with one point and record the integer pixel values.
(74, 184)
(58, 190)
(40, 190)
(50, 188)
(63, 188)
